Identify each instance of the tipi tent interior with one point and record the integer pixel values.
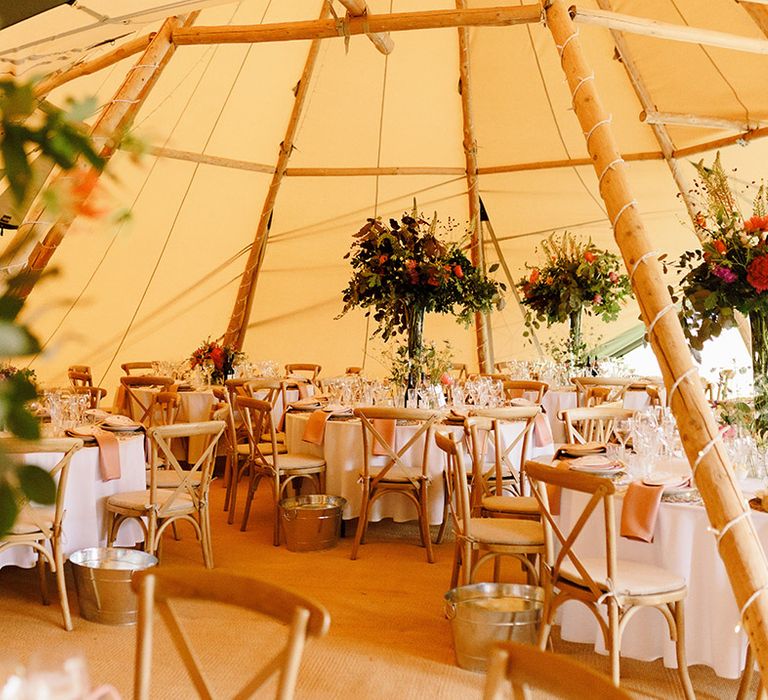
(373, 132)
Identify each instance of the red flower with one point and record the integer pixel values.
(756, 223)
(534, 275)
(719, 246)
(433, 281)
(383, 259)
(757, 273)
(410, 264)
(217, 357)
(458, 271)
(589, 256)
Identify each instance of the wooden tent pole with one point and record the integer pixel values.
(482, 321)
(742, 138)
(241, 312)
(129, 48)
(698, 120)
(358, 8)
(330, 28)
(664, 140)
(114, 119)
(743, 555)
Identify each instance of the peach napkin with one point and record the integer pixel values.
(386, 428)
(553, 492)
(640, 510)
(314, 430)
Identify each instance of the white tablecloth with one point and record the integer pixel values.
(683, 545)
(84, 523)
(343, 453)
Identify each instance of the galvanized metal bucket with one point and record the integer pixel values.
(311, 522)
(484, 613)
(103, 583)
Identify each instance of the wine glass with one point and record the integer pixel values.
(622, 429)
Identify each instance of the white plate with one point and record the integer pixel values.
(669, 480)
(592, 461)
(122, 428)
(612, 468)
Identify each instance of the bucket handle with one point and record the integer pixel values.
(450, 610)
(290, 513)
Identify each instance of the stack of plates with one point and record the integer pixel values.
(573, 449)
(85, 432)
(336, 409)
(672, 483)
(308, 404)
(596, 464)
(117, 423)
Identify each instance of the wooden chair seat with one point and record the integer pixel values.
(293, 462)
(169, 479)
(633, 578)
(513, 505)
(136, 503)
(506, 531)
(395, 478)
(33, 519)
(265, 447)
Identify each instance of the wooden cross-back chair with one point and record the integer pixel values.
(622, 587)
(138, 368)
(156, 587)
(353, 370)
(267, 460)
(393, 472)
(234, 455)
(163, 506)
(307, 368)
(522, 667)
(518, 388)
(592, 424)
(80, 375)
(140, 406)
(600, 389)
(459, 371)
(491, 537)
(165, 408)
(94, 393)
(37, 525)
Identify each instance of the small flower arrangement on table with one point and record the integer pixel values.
(219, 360)
(577, 277)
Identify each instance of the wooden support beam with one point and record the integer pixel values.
(329, 28)
(741, 139)
(665, 30)
(665, 143)
(358, 8)
(565, 163)
(739, 546)
(696, 120)
(129, 48)
(373, 172)
(206, 159)
(476, 252)
(114, 119)
(241, 312)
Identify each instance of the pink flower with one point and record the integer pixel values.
(726, 274)
(597, 299)
(613, 276)
(446, 379)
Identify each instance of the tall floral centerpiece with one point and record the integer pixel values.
(406, 268)
(218, 360)
(576, 278)
(729, 274)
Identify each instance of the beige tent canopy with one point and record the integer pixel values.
(364, 131)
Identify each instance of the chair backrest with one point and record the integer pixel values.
(397, 461)
(94, 393)
(161, 438)
(165, 408)
(225, 411)
(140, 368)
(523, 666)
(655, 395)
(507, 431)
(353, 370)
(259, 429)
(304, 367)
(155, 587)
(459, 370)
(60, 471)
(140, 406)
(266, 389)
(518, 388)
(592, 423)
(457, 482)
(586, 389)
(80, 375)
(601, 491)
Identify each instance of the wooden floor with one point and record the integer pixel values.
(389, 637)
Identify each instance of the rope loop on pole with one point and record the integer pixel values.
(579, 86)
(610, 166)
(658, 317)
(602, 122)
(632, 203)
(561, 49)
(641, 259)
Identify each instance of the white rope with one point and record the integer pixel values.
(641, 259)
(144, 65)
(719, 534)
(602, 122)
(129, 102)
(33, 223)
(610, 593)
(608, 167)
(633, 203)
(703, 452)
(749, 602)
(658, 317)
(580, 84)
(691, 370)
(560, 48)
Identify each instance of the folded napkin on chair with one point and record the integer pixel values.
(109, 449)
(386, 427)
(640, 511)
(314, 430)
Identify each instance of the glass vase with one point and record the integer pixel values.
(758, 321)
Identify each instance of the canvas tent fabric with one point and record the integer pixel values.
(154, 286)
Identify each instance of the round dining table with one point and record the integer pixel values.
(85, 520)
(682, 544)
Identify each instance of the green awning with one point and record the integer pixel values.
(624, 343)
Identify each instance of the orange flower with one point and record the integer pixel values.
(458, 271)
(534, 275)
(550, 280)
(756, 223)
(589, 256)
(719, 246)
(383, 259)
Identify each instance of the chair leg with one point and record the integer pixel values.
(456, 564)
(614, 642)
(362, 521)
(61, 584)
(205, 536)
(424, 518)
(682, 663)
(237, 474)
(467, 563)
(248, 501)
(175, 531)
(43, 579)
(444, 523)
(276, 509)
